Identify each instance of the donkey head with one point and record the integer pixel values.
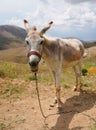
(35, 41)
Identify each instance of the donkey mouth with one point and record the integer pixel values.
(33, 66)
(34, 69)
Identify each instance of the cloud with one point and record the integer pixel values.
(79, 1)
(68, 15)
(63, 12)
(14, 21)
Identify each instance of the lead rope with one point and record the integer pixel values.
(38, 95)
(63, 112)
(44, 116)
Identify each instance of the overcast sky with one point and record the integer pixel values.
(72, 18)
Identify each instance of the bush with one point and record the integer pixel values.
(84, 72)
(2, 74)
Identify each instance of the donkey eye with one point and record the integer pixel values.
(27, 42)
(41, 42)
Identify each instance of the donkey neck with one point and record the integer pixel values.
(51, 48)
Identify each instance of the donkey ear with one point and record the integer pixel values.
(46, 28)
(26, 24)
(28, 27)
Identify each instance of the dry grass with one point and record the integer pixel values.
(92, 70)
(22, 71)
(16, 79)
(17, 55)
(9, 70)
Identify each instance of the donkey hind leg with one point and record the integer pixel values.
(78, 78)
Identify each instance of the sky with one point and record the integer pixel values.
(72, 18)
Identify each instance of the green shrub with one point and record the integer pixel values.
(2, 74)
(93, 127)
(2, 126)
(84, 72)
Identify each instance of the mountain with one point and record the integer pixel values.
(11, 36)
(88, 44)
(12, 47)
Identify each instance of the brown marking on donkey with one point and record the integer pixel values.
(57, 53)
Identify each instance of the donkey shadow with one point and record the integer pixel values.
(81, 103)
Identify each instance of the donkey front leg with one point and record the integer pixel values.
(58, 98)
(58, 88)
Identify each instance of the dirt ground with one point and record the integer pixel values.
(23, 113)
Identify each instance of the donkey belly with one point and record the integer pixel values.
(71, 57)
(70, 63)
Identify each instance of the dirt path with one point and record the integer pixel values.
(23, 113)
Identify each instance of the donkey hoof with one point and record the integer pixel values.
(82, 91)
(53, 104)
(59, 110)
(74, 89)
(77, 89)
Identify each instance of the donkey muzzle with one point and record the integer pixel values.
(34, 59)
(33, 63)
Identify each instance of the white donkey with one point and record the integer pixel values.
(57, 53)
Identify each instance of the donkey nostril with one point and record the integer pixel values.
(33, 63)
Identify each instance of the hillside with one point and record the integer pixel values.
(88, 44)
(12, 44)
(11, 36)
(17, 55)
